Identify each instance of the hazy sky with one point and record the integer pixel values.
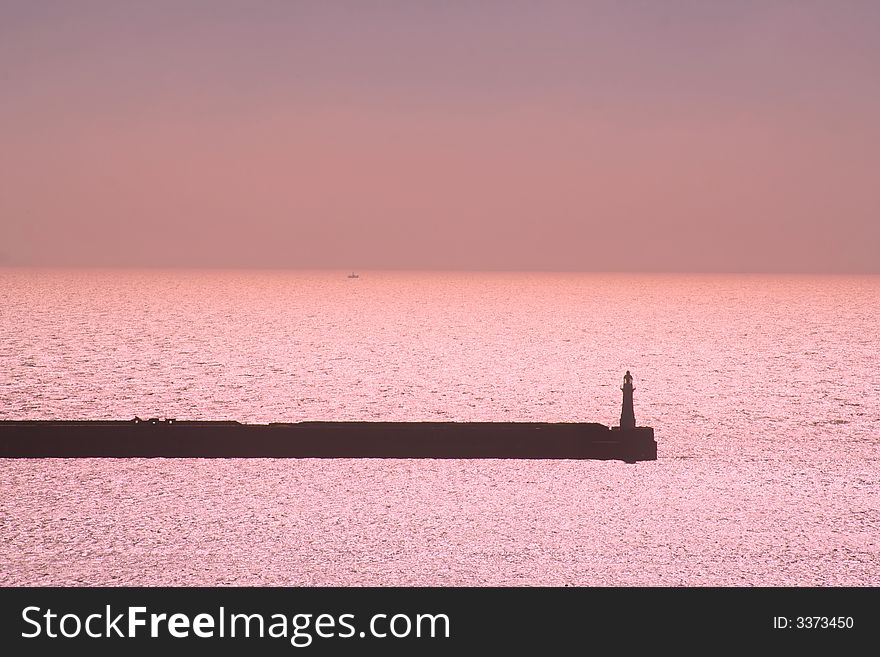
(668, 136)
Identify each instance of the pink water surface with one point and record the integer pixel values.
(763, 392)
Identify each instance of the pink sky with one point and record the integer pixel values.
(680, 136)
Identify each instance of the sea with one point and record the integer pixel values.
(763, 391)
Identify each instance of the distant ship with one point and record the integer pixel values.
(171, 438)
(353, 275)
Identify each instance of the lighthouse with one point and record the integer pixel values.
(627, 417)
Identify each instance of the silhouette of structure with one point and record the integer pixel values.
(627, 416)
(171, 438)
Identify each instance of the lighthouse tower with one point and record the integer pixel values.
(627, 417)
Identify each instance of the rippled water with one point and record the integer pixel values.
(763, 392)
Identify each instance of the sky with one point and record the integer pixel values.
(475, 135)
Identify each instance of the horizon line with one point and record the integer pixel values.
(463, 270)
